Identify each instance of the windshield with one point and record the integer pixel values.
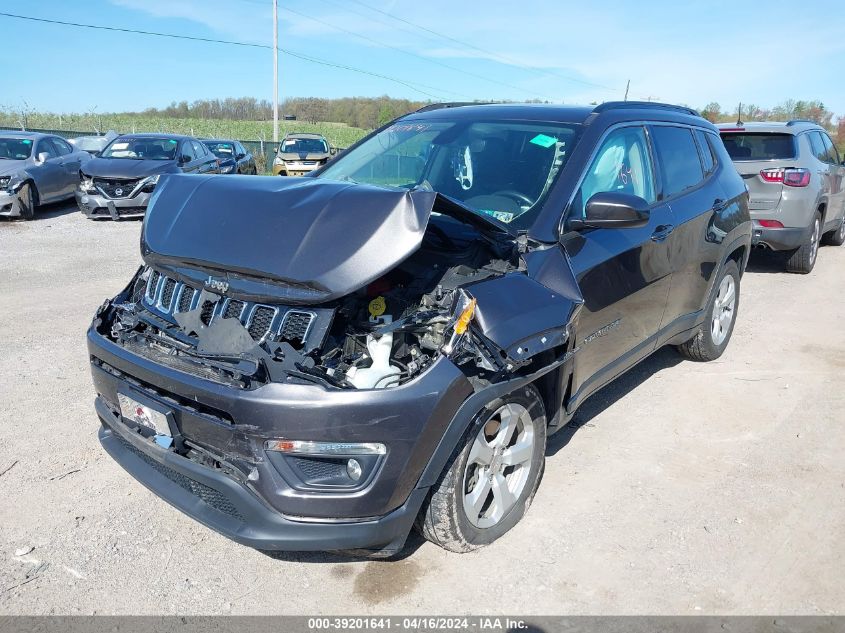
(15, 148)
(304, 145)
(221, 149)
(138, 148)
(502, 168)
(759, 146)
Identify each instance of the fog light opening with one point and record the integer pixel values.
(353, 469)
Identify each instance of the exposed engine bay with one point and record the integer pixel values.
(382, 335)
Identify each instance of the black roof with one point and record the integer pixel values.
(548, 112)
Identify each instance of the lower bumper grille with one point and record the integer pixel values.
(212, 497)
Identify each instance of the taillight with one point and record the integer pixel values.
(793, 177)
(796, 177)
(771, 224)
(772, 175)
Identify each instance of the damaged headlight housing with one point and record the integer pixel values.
(310, 465)
(86, 184)
(4, 181)
(148, 184)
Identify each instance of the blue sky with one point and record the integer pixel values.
(551, 49)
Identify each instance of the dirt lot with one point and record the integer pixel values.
(684, 488)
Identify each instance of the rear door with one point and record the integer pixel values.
(836, 207)
(687, 171)
(71, 163)
(624, 274)
(757, 157)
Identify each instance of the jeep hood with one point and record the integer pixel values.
(127, 167)
(295, 240)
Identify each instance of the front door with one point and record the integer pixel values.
(624, 274)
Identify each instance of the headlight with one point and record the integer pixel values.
(4, 181)
(86, 185)
(278, 161)
(149, 183)
(227, 169)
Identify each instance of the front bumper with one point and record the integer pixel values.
(99, 206)
(229, 507)
(410, 420)
(785, 239)
(9, 206)
(294, 170)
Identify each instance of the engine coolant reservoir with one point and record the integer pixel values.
(381, 373)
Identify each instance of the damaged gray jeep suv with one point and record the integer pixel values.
(323, 362)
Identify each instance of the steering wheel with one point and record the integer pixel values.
(513, 194)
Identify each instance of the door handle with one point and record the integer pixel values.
(719, 205)
(662, 232)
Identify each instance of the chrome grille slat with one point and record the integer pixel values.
(166, 296)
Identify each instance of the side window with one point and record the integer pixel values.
(719, 150)
(817, 145)
(832, 153)
(240, 149)
(46, 147)
(622, 164)
(199, 149)
(707, 158)
(62, 146)
(188, 151)
(677, 154)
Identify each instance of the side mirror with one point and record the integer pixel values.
(241, 156)
(184, 158)
(612, 210)
(333, 151)
(43, 157)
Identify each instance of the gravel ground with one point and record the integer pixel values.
(683, 488)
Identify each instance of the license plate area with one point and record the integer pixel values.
(151, 417)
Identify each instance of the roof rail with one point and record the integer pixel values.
(797, 121)
(450, 104)
(643, 105)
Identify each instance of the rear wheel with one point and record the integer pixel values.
(491, 477)
(712, 337)
(803, 259)
(27, 201)
(837, 237)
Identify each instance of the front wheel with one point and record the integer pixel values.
(712, 337)
(27, 198)
(837, 237)
(491, 477)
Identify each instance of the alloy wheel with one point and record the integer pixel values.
(498, 465)
(723, 310)
(814, 240)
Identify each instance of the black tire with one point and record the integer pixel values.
(835, 238)
(27, 200)
(706, 345)
(803, 259)
(443, 519)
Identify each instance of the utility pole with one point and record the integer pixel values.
(275, 71)
(627, 87)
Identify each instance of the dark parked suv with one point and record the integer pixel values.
(391, 341)
(119, 182)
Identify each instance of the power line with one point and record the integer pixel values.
(507, 60)
(309, 58)
(411, 54)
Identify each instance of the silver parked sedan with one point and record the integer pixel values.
(36, 169)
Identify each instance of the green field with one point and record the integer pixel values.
(338, 134)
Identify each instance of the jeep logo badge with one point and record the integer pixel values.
(217, 285)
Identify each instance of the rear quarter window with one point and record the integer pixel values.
(759, 145)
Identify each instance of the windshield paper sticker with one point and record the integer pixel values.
(501, 216)
(543, 141)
